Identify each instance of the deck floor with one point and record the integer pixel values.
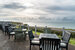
(10, 44)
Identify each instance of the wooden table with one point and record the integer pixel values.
(19, 32)
(43, 35)
(49, 41)
(13, 27)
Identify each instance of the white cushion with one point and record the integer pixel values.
(26, 32)
(62, 41)
(35, 38)
(12, 33)
(36, 42)
(24, 29)
(63, 44)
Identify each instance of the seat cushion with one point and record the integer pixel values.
(26, 32)
(35, 42)
(24, 29)
(62, 41)
(36, 39)
(12, 32)
(63, 44)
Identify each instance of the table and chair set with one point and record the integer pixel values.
(49, 41)
(45, 41)
(16, 32)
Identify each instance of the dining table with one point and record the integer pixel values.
(19, 30)
(19, 33)
(47, 35)
(49, 41)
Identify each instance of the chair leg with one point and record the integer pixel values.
(9, 36)
(4, 33)
(39, 48)
(30, 47)
(61, 48)
(66, 48)
(12, 35)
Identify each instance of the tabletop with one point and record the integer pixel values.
(13, 27)
(20, 30)
(43, 35)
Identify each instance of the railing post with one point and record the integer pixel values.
(28, 27)
(3, 27)
(35, 29)
(45, 29)
(63, 31)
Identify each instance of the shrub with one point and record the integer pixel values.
(56, 32)
(72, 34)
(41, 29)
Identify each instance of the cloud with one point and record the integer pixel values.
(13, 6)
(43, 8)
(11, 9)
(64, 8)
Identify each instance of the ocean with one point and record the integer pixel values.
(67, 25)
(43, 23)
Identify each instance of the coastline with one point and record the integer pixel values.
(57, 31)
(54, 28)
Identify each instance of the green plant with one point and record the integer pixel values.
(72, 41)
(72, 34)
(56, 32)
(38, 33)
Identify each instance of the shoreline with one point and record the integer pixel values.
(54, 28)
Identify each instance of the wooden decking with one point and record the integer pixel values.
(10, 44)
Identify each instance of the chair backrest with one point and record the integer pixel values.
(0, 27)
(10, 29)
(30, 33)
(49, 44)
(66, 36)
(6, 28)
(23, 27)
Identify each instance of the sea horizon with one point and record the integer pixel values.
(43, 23)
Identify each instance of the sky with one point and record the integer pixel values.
(38, 9)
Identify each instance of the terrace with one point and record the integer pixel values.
(11, 44)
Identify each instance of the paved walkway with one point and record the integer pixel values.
(10, 44)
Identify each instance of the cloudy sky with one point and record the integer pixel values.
(53, 9)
